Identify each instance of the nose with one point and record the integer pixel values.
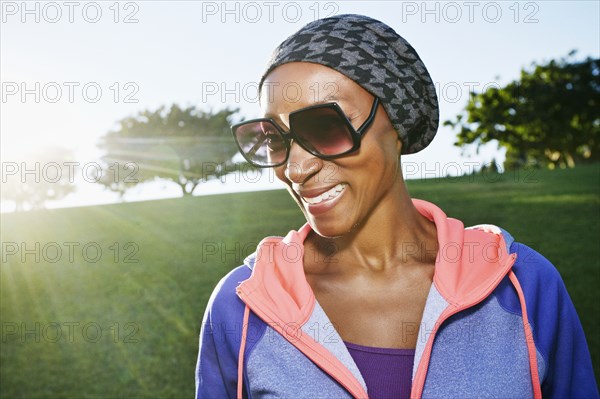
(301, 164)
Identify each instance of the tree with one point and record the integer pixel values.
(185, 146)
(550, 116)
(31, 180)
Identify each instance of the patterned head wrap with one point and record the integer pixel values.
(373, 55)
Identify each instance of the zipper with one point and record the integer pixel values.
(446, 314)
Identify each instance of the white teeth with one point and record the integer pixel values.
(329, 194)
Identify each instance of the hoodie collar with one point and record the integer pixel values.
(469, 265)
(470, 262)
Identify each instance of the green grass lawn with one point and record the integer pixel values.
(129, 316)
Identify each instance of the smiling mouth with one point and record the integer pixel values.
(330, 194)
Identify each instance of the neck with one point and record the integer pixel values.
(395, 235)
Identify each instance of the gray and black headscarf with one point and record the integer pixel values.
(378, 59)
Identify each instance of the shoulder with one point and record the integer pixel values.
(223, 316)
(531, 268)
(543, 288)
(224, 301)
(220, 337)
(538, 277)
(535, 273)
(547, 300)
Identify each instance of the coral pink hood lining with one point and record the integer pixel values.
(470, 262)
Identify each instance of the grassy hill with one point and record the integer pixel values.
(107, 301)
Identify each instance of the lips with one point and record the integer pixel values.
(317, 196)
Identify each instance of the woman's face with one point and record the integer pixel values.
(335, 195)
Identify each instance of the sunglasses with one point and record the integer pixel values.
(323, 130)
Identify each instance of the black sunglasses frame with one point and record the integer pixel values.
(289, 136)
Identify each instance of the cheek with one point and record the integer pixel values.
(382, 152)
(379, 169)
(280, 174)
(388, 146)
(387, 137)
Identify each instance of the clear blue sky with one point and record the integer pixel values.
(176, 51)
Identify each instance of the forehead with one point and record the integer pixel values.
(296, 85)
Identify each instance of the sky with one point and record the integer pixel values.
(71, 70)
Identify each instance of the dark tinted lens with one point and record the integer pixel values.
(261, 143)
(323, 130)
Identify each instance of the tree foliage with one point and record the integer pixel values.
(550, 116)
(182, 145)
(31, 180)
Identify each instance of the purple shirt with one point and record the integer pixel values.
(386, 371)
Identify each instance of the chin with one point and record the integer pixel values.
(331, 228)
(331, 224)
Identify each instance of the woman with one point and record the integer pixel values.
(377, 295)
